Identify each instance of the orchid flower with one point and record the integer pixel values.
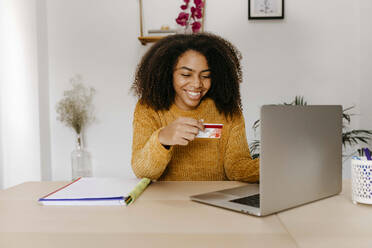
(191, 16)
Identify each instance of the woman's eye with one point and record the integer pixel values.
(207, 76)
(186, 75)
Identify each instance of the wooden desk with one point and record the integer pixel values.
(332, 222)
(165, 217)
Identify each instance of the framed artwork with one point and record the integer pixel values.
(162, 18)
(265, 9)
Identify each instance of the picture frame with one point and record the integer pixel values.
(265, 9)
(157, 22)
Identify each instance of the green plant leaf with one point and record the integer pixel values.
(256, 124)
(254, 147)
(349, 138)
(356, 136)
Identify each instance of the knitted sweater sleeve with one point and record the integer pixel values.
(239, 165)
(149, 157)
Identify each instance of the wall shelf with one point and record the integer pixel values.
(149, 39)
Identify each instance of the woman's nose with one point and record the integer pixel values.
(196, 82)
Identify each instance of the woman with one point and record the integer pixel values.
(181, 82)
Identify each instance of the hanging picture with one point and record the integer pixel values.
(265, 9)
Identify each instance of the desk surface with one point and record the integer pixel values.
(165, 217)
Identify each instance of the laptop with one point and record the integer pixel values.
(300, 161)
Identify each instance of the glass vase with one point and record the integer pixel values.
(81, 162)
(184, 29)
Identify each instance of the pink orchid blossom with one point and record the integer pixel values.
(186, 5)
(192, 10)
(182, 18)
(198, 3)
(191, 16)
(196, 26)
(198, 13)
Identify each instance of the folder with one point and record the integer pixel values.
(88, 191)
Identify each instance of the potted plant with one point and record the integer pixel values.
(75, 110)
(349, 137)
(190, 18)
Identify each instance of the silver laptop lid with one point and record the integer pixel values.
(301, 155)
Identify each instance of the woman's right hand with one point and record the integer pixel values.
(180, 132)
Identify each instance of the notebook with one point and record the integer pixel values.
(97, 192)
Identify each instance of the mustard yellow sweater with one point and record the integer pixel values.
(227, 158)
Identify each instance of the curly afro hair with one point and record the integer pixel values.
(154, 75)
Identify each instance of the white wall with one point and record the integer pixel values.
(313, 52)
(366, 64)
(2, 69)
(44, 106)
(19, 133)
(97, 39)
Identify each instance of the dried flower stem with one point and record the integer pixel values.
(75, 109)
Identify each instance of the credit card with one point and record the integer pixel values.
(211, 131)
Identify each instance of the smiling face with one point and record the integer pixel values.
(191, 79)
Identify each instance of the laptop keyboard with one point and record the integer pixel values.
(252, 200)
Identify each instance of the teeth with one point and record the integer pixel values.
(194, 93)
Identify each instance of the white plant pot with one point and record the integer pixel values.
(361, 181)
